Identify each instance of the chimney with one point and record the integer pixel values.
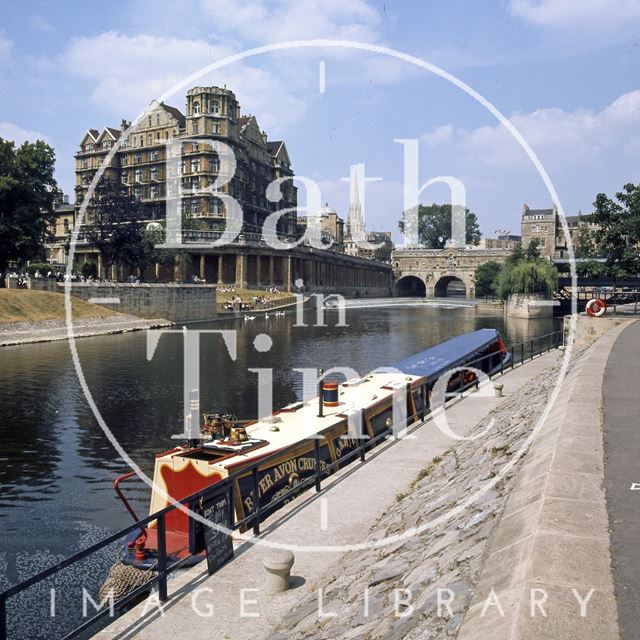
(65, 199)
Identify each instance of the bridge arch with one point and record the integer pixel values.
(450, 286)
(411, 286)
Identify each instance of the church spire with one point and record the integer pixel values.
(355, 223)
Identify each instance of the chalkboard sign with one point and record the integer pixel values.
(217, 542)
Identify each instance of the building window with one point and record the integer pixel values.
(85, 163)
(125, 177)
(154, 173)
(137, 192)
(154, 191)
(107, 144)
(195, 165)
(153, 155)
(157, 119)
(215, 127)
(195, 126)
(196, 107)
(214, 207)
(543, 242)
(215, 106)
(195, 205)
(137, 175)
(142, 141)
(166, 135)
(88, 147)
(149, 139)
(137, 158)
(125, 161)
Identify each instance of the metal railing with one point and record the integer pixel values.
(519, 355)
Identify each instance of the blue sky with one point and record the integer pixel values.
(565, 72)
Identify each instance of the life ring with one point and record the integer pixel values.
(596, 307)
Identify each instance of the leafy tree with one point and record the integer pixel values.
(114, 226)
(522, 274)
(591, 269)
(533, 250)
(537, 276)
(486, 278)
(618, 232)
(586, 246)
(434, 226)
(516, 256)
(27, 194)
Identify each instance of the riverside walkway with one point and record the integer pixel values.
(341, 514)
(621, 415)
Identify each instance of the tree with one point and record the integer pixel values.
(486, 278)
(533, 250)
(434, 226)
(114, 227)
(530, 276)
(27, 194)
(618, 230)
(523, 273)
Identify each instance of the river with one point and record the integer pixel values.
(57, 466)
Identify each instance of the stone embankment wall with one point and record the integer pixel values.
(435, 583)
(527, 305)
(177, 303)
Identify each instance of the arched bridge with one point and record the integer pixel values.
(438, 273)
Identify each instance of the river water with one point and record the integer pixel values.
(57, 465)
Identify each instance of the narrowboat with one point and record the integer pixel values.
(360, 409)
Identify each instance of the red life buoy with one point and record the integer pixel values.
(596, 307)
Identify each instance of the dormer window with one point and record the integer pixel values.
(88, 147)
(196, 107)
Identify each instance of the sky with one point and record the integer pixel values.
(563, 72)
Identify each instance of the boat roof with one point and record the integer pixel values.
(436, 360)
(299, 421)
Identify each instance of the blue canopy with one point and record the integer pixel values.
(436, 360)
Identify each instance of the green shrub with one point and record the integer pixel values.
(42, 267)
(89, 269)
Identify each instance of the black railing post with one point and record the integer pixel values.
(522, 353)
(531, 347)
(316, 451)
(162, 558)
(256, 503)
(3, 618)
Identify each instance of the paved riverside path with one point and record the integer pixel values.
(621, 409)
(350, 502)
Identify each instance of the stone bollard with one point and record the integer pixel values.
(278, 566)
(561, 348)
(497, 389)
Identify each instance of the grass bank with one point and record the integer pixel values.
(19, 305)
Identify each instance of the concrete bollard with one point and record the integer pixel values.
(497, 389)
(278, 566)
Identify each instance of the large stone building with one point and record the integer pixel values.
(212, 113)
(545, 225)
